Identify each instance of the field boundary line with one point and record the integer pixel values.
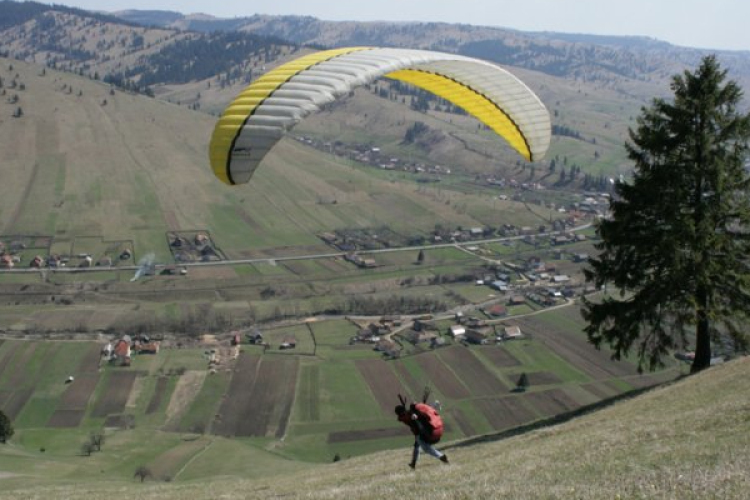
(182, 469)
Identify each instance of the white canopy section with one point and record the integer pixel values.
(253, 123)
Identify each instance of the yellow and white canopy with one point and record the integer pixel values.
(258, 117)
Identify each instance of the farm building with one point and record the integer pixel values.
(512, 332)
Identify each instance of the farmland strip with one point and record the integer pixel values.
(471, 371)
(383, 383)
(115, 395)
(552, 402)
(9, 356)
(158, 396)
(15, 403)
(66, 419)
(506, 412)
(499, 357)
(442, 378)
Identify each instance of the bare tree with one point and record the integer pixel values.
(97, 440)
(142, 472)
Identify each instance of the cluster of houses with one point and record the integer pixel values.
(9, 260)
(196, 248)
(120, 351)
(378, 335)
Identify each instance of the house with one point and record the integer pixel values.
(517, 300)
(421, 324)
(561, 278)
(512, 332)
(476, 337)
(6, 261)
(147, 348)
(475, 322)
(255, 337)
(236, 339)
(367, 335)
(288, 342)
(121, 352)
(500, 286)
(37, 261)
(386, 346)
(580, 257)
(457, 330)
(416, 337)
(497, 310)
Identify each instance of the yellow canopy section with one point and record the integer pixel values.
(471, 101)
(228, 128)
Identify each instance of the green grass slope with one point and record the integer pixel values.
(687, 440)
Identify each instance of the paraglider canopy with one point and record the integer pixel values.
(260, 115)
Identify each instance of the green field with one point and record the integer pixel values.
(331, 396)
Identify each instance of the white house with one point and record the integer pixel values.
(457, 330)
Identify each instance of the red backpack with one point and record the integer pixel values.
(433, 424)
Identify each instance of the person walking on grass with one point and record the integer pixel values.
(425, 423)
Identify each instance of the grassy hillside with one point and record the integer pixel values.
(687, 440)
(86, 161)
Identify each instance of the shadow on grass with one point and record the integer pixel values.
(560, 418)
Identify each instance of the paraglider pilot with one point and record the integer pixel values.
(426, 425)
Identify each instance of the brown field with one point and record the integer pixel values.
(442, 377)
(90, 362)
(551, 402)
(543, 378)
(506, 412)
(499, 357)
(384, 384)
(113, 399)
(158, 396)
(347, 436)
(479, 380)
(457, 416)
(260, 397)
(78, 393)
(66, 419)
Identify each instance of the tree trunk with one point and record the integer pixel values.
(702, 336)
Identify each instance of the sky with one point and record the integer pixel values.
(707, 24)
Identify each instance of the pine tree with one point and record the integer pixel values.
(676, 246)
